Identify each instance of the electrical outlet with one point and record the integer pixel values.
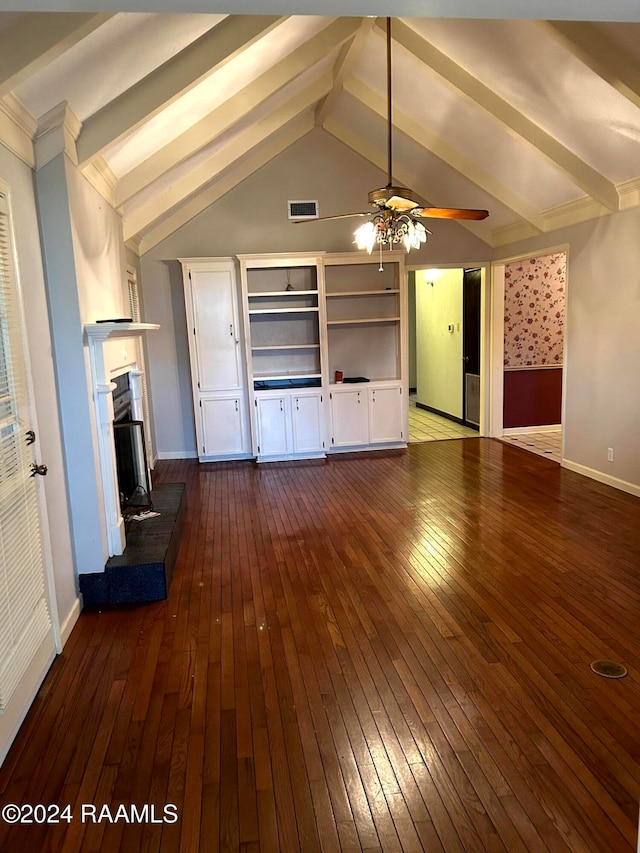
(610, 454)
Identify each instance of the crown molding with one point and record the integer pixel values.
(562, 216)
(17, 128)
(58, 131)
(102, 178)
(134, 244)
(629, 192)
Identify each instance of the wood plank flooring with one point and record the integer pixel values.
(384, 651)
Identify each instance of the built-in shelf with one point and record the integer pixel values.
(360, 293)
(276, 376)
(283, 310)
(284, 347)
(256, 295)
(359, 322)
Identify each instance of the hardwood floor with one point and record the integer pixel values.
(383, 651)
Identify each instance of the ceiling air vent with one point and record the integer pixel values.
(303, 209)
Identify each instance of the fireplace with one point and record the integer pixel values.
(112, 354)
(134, 481)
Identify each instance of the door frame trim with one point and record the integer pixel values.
(486, 288)
(47, 551)
(496, 415)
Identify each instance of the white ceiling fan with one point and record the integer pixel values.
(397, 212)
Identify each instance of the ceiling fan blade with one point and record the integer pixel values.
(338, 216)
(450, 213)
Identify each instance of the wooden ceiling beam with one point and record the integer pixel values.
(140, 218)
(590, 181)
(379, 159)
(255, 159)
(36, 40)
(343, 67)
(167, 83)
(433, 142)
(588, 43)
(236, 107)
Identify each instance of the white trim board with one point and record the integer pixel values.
(69, 623)
(607, 479)
(527, 430)
(177, 454)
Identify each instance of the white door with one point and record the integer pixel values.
(306, 414)
(273, 417)
(349, 418)
(217, 333)
(27, 644)
(385, 415)
(223, 432)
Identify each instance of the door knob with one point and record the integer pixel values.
(38, 469)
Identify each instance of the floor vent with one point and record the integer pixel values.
(303, 209)
(609, 669)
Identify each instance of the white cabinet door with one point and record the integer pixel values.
(349, 418)
(215, 319)
(273, 418)
(306, 415)
(223, 430)
(385, 414)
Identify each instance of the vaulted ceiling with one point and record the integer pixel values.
(537, 121)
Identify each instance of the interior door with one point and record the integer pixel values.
(27, 643)
(471, 290)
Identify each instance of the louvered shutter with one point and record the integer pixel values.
(24, 614)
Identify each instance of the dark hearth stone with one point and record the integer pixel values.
(144, 572)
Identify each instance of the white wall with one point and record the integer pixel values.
(253, 218)
(19, 178)
(98, 250)
(602, 369)
(439, 351)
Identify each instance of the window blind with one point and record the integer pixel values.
(24, 614)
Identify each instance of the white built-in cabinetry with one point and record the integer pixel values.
(264, 365)
(285, 330)
(367, 337)
(217, 358)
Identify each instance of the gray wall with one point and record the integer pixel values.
(602, 367)
(253, 218)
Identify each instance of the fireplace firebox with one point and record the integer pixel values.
(131, 454)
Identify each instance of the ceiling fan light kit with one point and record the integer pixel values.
(388, 228)
(397, 218)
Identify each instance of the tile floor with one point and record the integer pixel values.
(547, 444)
(425, 426)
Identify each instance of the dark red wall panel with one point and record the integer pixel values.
(532, 397)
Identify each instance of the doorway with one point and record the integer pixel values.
(445, 348)
(529, 343)
(28, 623)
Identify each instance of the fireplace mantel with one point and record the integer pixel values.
(103, 369)
(105, 331)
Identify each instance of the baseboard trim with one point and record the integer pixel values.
(69, 623)
(607, 479)
(177, 454)
(446, 415)
(524, 430)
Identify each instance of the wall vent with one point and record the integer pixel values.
(303, 209)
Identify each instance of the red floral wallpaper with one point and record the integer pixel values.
(534, 293)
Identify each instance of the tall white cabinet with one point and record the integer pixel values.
(268, 337)
(217, 355)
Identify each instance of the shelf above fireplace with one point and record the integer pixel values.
(105, 331)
